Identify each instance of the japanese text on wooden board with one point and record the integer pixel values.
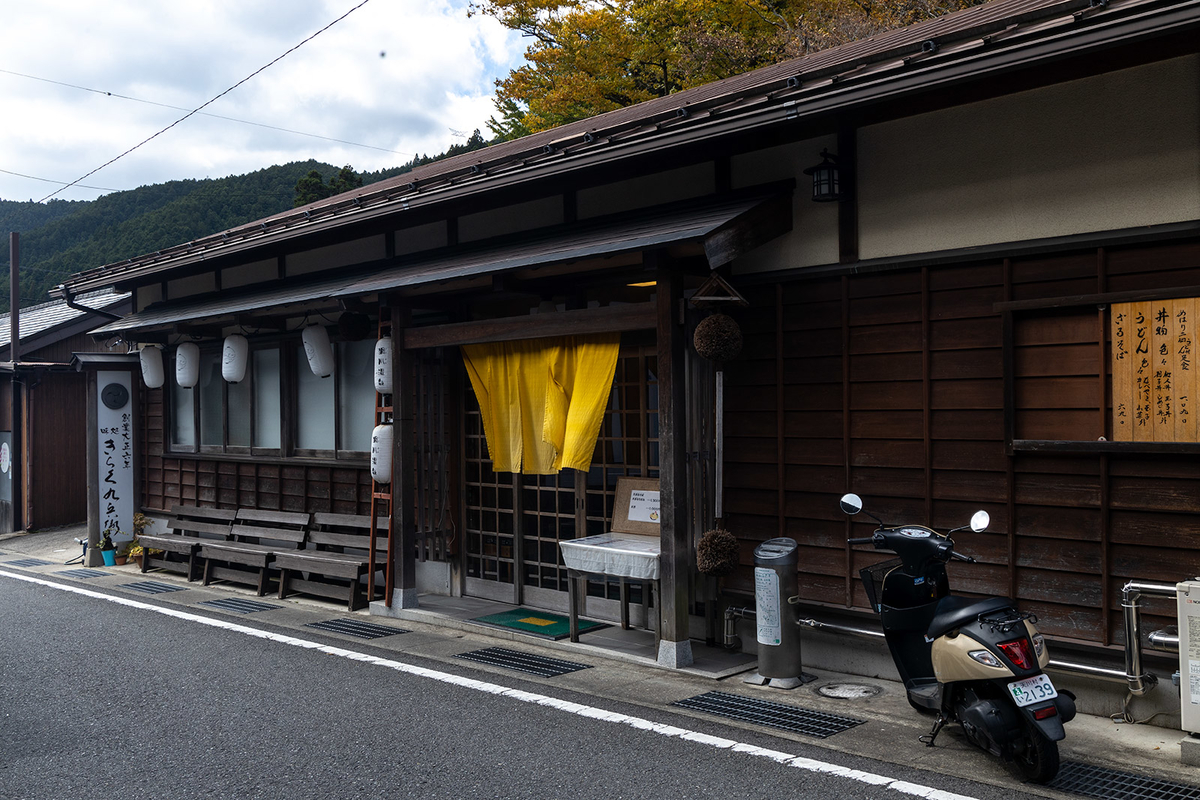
(1153, 371)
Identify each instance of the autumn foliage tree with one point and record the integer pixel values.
(592, 56)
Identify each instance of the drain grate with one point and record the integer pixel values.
(354, 627)
(775, 715)
(83, 573)
(152, 587)
(237, 605)
(1111, 784)
(29, 562)
(523, 662)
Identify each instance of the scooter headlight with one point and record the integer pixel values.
(985, 657)
(1039, 645)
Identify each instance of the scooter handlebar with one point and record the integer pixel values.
(867, 540)
(961, 557)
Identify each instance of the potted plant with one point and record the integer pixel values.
(136, 552)
(108, 550)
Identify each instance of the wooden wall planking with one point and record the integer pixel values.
(897, 391)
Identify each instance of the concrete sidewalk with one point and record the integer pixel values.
(890, 731)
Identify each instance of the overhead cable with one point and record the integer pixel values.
(197, 110)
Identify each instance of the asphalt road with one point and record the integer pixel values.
(102, 700)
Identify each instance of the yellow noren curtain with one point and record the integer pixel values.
(542, 400)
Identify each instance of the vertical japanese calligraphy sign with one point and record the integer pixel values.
(1154, 383)
(1185, 371)
(114, 443)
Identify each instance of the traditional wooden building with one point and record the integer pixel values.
(43, 479)
(938, 336)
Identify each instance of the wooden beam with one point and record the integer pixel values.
(631, 317)
(404, 474)
(1105, 298)
(757, 226)
(675, 647)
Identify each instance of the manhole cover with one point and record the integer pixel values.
(847, 691)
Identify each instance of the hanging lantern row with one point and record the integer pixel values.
(235, 358)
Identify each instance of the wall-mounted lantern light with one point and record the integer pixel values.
(827, 179)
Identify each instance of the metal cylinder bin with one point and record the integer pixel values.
(778, 636)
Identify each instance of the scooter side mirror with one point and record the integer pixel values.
(980, 521)
(851, 504)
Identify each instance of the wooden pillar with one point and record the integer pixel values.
(675, 647)
(404, 468)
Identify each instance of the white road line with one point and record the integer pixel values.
(591, 712)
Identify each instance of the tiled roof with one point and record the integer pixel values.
(822, 83)
(46, 316)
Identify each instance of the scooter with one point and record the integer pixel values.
(977, 662)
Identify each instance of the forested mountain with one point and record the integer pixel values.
(60, 238)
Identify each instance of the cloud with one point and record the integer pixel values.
(437, 76)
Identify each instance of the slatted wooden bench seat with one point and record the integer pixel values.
(189, 528)
(336, 560)
(256, 537)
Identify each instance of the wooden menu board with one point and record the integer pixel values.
(1153, 372)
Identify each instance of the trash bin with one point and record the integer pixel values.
(778, 637)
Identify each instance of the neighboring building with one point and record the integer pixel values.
(938, 340)
(51, 397)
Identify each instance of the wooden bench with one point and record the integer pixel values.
(190, 527)
(256, 538)
(337, 559)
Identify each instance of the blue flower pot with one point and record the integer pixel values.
(110, 557)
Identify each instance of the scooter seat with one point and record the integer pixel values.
(954, 612)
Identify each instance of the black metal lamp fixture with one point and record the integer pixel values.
(827, 183)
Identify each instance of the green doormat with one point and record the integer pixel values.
(539, 623)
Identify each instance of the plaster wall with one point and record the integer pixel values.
(359, 251)
(525, 216)
(647, 190)
(248, 274)
(421, 237)
(814, 236)
(1114, 151)
(191, 285)
(145, 295)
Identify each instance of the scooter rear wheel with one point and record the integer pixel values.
(1036, 757)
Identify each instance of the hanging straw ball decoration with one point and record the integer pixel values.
(353, 326)
(151, 358)
(717, 552)
(718, 338)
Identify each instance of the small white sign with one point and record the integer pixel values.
(767, 611)
(643, 506)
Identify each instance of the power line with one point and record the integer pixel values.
(50, 180)
(210, 102)
(203, 113)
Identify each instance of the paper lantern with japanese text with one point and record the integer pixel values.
(152, 366)
(383, 366)
(381, 454)
(187, 364)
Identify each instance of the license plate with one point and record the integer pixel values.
(1032, 690)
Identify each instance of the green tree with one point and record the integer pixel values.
(587, 58)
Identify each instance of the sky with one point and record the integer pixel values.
(82, 81)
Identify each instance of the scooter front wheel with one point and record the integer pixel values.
(1035, 756)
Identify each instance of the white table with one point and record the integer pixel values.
(621, 555)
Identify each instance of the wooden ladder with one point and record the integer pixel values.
(381, 493)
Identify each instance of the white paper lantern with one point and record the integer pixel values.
(233, 358)
(187, 364)
(381, 454)
(383, 366)
(319, 350)
(152, 366)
